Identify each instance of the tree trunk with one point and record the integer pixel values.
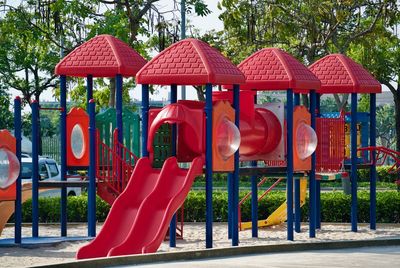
(341, 103)
(111, 101)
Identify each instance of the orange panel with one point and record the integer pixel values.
(221, 110)
(77, 118)
(8, 141)
(300, 115)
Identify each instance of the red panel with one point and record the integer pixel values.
(340, 74)
(274, 69)
(330, 149)
(139, 218)
(101, 56)
(191, 128)
(8, 141)
(78, 116)
(190, 62)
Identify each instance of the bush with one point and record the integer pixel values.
(382, 174)
(335, 207)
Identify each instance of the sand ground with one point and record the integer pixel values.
(194, 238)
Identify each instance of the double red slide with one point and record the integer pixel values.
(140, 216)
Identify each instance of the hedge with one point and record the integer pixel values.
(363, 175)
(335, 207)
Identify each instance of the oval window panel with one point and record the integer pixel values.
(77, 141)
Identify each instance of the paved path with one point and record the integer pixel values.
(376, 257)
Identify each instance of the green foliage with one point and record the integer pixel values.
(49, 209)
(386, 125)
(382, 173)
(363, 103)
(335, 207)
(328, 105)
(6, 116)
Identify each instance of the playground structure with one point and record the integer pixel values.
(219, 133)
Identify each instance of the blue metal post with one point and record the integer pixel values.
(372, 142)
(230, 204)
(89, 90)
(18, 199)
(254, 203)
(353, 138)
(35, 168)
(92, 170)
(297, 208)
(172, 225)
(209, 172)
(289, 138)
(145, 119)
(118, 107)
(63, 153)
(312, 198)
(118, 114)
(235, 215)
(254, 197)
(318, 182)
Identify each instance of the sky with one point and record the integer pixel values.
(203, 24)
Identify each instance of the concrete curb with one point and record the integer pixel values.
(224, 252)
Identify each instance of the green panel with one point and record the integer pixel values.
(106, 123)
(131, 127)
(162, 145)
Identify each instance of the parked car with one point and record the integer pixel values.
(49, 170)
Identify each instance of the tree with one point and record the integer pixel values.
(308, 30)
(6, 116)
(328, 105)
(381, 56)
(385, 126)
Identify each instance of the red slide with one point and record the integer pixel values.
(139, 217)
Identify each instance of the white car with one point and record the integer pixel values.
(49, 171)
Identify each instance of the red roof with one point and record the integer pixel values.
(190, 62)
(274, 69)
(101, 56)
(340, 74)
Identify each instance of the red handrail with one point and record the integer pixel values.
(115, 165)
(382, 154)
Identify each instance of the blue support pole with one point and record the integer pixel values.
(318, 182)
(353, 138)
(63, 153)
(372, 142)
(254, 203)
(230, 204)
(289, 139)
(209, 172)
(235, 218)
(172, 225)
(312, 190)
(254, 197)
(18, 199)
(296, 99)
(118, 107)
(145, 119)
(92, 170)
(118, 114)
(297, 208)
(89, 90)
(35, 168)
